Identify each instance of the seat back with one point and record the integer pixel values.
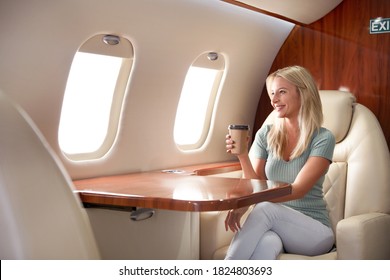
(359, 179)
(338, 110)
(40, 216)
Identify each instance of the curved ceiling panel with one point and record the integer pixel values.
(295, 10)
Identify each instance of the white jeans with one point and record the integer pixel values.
(273, 228)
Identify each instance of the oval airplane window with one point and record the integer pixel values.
(194, 111)
(93, 97)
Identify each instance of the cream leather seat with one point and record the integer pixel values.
(357, 187)
(40, 216)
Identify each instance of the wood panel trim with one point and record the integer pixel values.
(180, 191)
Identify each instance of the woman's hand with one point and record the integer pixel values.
(233, 219)
(229, 143)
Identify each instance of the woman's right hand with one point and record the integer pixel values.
(229, 143)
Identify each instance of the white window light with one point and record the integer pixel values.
(87, 103)
(196, 102)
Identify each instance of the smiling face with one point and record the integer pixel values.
(285, 98)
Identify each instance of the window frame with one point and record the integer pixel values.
(124, 50)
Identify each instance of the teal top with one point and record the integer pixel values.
(321, 145)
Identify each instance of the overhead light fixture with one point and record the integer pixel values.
(212, 56)
(111, 40)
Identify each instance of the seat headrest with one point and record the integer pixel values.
(337, 107)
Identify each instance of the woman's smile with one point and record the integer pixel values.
(285, 98)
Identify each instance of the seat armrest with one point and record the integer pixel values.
(365, 236)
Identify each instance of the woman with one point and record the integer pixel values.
(294, 149)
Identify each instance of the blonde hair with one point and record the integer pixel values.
(310, 114)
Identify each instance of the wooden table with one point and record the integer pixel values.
(182, 189)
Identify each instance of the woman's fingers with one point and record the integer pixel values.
(229, 143)
(232, 221)
(227, 221)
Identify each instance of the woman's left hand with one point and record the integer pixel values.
(233, 219)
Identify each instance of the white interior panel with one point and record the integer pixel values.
(40, 38)
(292, 9)
(166, 235)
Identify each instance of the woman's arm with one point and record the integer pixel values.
(311, 172)
(251, 168)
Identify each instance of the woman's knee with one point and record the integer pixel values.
(266, 208)
(263, 205)
(269, 247)
(264, 213)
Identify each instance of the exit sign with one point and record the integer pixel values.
(379, 25)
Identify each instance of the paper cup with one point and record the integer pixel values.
(239, 134)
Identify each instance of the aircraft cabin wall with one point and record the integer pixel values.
(41, 37)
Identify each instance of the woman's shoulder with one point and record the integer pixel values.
(325, 133)
(263, 130)
(265, 127)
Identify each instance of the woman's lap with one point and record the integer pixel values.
(298, 233)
